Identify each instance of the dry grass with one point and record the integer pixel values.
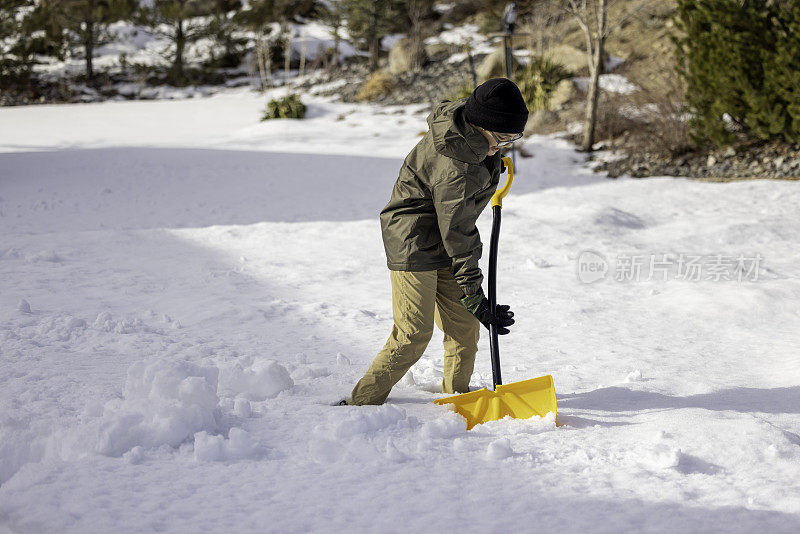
(379, 83)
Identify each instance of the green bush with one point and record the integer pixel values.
(538, 79)
(288, 107)
(742, 70)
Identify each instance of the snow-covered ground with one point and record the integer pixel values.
(185, 290)
(131, 44)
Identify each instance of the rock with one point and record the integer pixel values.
(437, 49)
(436, 81)
(569, 56)
(730, 152)
(494, 65)
(711, 161)
(401, 56)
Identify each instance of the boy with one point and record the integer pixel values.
(432, 244)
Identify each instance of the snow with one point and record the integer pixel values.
(614, 83)
(461, 35)
(164, 403)
(261, 380)
(187, 291)
(132, 45)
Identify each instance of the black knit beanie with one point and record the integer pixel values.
(497, 105)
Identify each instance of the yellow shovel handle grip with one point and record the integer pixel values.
(497, 198)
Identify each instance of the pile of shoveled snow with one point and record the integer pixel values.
(174, 404)
(261, 379)
(164, 403)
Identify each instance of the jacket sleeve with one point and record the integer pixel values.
(457, 214)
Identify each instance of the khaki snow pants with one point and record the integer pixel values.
(420, 298)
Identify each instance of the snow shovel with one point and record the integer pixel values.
(519, 400)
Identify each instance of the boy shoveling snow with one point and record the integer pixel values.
(432, 243)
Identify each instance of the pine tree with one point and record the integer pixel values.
(223, 28)
(368, 21)
(782, 76)
(27, 29)
(333, 15)
(177, 21)
(417, 11)
(87, 22)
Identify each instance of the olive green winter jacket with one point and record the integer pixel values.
(444, 184)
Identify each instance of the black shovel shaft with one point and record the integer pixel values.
(493, 345)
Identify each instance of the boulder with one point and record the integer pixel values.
(494, 65)
(569, 56)
(401, 57)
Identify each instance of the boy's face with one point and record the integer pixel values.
(493, 140)
(493, 148)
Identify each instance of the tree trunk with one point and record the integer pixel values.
(88, 45)
(304, 36)
(374, 41)
(416, 49)
(374, 50)
(262, 53)
(336, 46)
(180, 43)
(590, 121)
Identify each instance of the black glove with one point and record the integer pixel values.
(478, 305)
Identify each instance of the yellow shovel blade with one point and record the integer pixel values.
(520, 400)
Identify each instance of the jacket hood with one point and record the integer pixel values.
(453, 137)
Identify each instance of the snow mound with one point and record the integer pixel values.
(499, 449)
(261, 380)
(660, 456)
(510, 426)
(634, 376)
(19, 444)
(241, 407)
(325, 451)
(60, 328)
(240, 445)
(364, 422)
(308, 372)
(363, 434)
(164, 403)
(445, 427)
(105, 322)
(23, 306)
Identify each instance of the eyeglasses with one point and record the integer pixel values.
(505, 139)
